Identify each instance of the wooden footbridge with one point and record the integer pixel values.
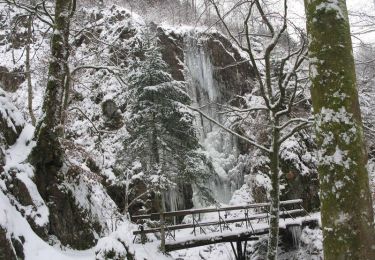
(253, 220)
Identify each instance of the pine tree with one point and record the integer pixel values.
(347, 214)
(162, 135)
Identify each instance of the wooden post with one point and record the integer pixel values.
(234, 251)
(160, 198)
(194, 225)
(244, 250)
(240, 256)
(162, 231)
(143, 235)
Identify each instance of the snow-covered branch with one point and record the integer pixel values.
(110, 69)
(39, 10)
(231, 109)
(250, 141)
(294, 120)
(294, 130)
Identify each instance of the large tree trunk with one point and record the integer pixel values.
(65, 217)
(47, 154)
(347, 214)
(274, 194)
(28, 70)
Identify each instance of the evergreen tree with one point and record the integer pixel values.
(347, 213)
(161, 130)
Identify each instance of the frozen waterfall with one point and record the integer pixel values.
(205, 92)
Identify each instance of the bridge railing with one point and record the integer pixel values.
(288, 208)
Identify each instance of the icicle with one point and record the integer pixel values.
(205, 92)
(295, 231)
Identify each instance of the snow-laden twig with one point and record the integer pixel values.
(294, 130)
(250, 141)
(295, 120)
(34, 10)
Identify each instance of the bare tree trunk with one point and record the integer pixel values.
(346, 206)
(47, 154)
(28, 71)
(275, 192)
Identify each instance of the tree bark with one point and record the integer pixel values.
(28, 71)
(346, 206)
(47, 154)
(273, 237)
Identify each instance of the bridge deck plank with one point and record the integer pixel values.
(218, 238)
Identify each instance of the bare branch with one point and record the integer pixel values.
(148, 191)
(250, 141)
(294, 120)
(110, 69)
(234, 109)
(33, 10)
(296, 129)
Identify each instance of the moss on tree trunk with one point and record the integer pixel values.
(347, 214)
(47, 154)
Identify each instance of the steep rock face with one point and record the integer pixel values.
(11, 124)
(11, 249)
(6, 250)
(22, 193)
(11, 120)
(71, 224)
(11, 80)
(172, 49)
(64, 217)
(231, 70)
(231, 73)
(12, 77)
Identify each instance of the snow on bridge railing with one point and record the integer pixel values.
(166, 230)
(178, 213)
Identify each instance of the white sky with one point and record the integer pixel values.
(297, 14)
(354, 6)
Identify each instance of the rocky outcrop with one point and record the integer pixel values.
(230, 68)
(24, 202)
(113, 117)
(11, 125)
(11, 248)
(231, 73)
(300, 174)
(305, 187)
(72, 225)
(6, 248)
(11, 120)
(11, 80)
(172, 50)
